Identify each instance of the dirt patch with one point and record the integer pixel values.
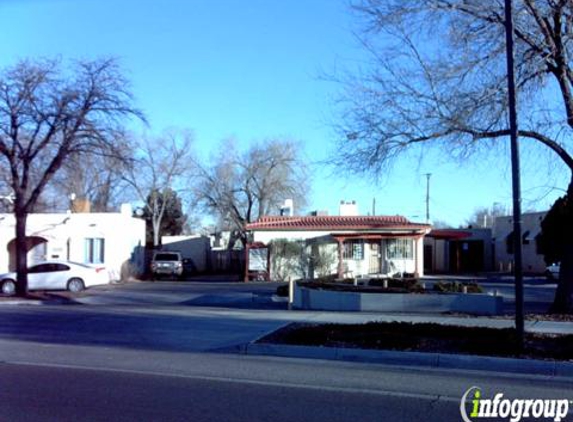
(425, 338)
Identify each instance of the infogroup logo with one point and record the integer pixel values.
(474, 406)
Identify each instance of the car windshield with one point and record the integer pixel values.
(167, 257)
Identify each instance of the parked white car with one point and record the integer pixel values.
(57, 275)
(552, 271)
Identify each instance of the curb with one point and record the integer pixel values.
(13, 302)
(51, 300)
(432, 360)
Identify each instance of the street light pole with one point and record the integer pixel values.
(513, 129)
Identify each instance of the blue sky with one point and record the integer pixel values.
(250, 69)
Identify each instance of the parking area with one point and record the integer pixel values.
(229, 292)
(215, 293)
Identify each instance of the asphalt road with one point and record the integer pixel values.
(98, 384)
(152, 352)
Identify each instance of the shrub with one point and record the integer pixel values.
(456, 287)
(409, 284)
(287, 258)
(282, 290)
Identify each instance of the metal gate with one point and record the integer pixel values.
(374, 260)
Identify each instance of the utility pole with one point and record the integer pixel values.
(428, 175)
(373, 206)
(513, 129)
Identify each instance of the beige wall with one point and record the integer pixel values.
(532, 261)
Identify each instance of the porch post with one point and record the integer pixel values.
(419, 256)
(340, 257)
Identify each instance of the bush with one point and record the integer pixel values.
(456, 287)
(409, 284)
(282, 290)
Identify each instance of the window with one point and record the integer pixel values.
(399, 249)
(539, 246)
(166, 256)
(94, 250)
(47, 268)
(354, 249)
(510, 243)
(40, 268)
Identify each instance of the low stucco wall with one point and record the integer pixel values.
(327, 300)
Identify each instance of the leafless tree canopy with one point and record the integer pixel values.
(240, 187)
(484, 217)
(97, 178)
(162, 165)
(438, 74)
(439, 77)
(49, 113)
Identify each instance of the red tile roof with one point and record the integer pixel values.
(330, 223)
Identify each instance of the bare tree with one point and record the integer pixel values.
(484, 217)
(240, 187)
(441, 224)
(96, 178)
(161, 166)
(439, 77)
(49, 113)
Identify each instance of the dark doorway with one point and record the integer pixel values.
(428, 258)
(466, 256)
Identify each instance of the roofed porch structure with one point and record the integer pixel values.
(383, 254)
(362, 244)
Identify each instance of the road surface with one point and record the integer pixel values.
(152, 352)
(73, 383)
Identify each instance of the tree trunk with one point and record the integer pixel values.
(156, 226)
(563, 302)
(21, 253)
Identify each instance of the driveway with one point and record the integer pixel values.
(194, 293)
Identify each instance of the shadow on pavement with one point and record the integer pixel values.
(160, 330)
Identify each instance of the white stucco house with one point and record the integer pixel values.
(111, 239)
(360, 245)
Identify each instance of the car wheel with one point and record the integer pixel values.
(76, 285)
(8, 287)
